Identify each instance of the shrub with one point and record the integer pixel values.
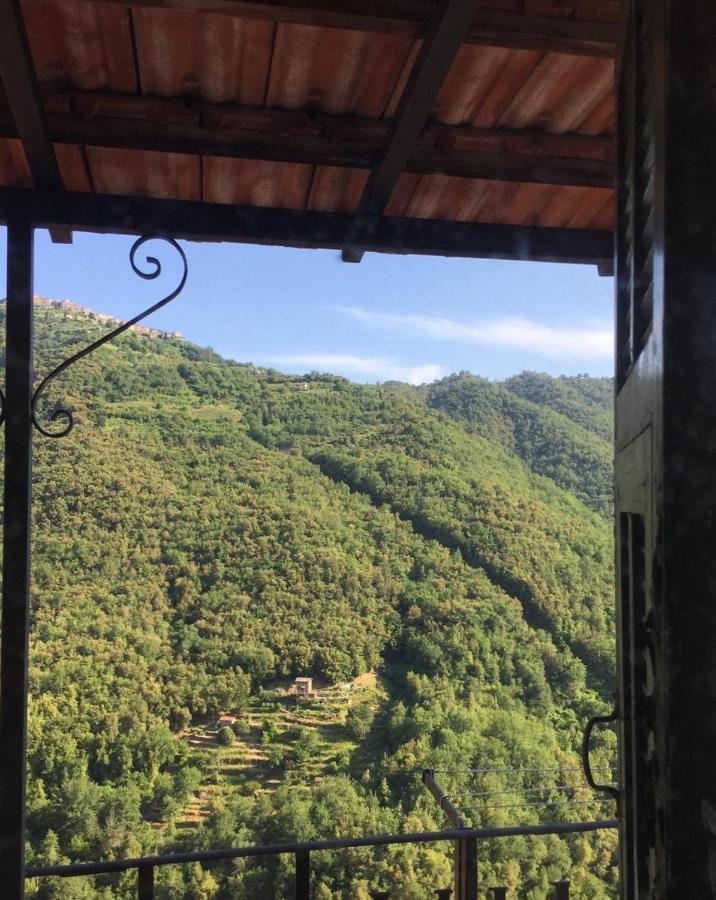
(225, 736)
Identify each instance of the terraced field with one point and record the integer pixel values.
(281, 739)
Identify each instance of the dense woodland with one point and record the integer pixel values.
(210, 529)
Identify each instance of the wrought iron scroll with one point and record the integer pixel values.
(586, 765)
(153, 270)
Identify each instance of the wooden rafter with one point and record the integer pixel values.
(500, 28)
(20, 84)
(247, 224)
(173, 126)
(494, 27)
(437, 54)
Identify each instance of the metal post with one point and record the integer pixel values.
(16, 558)
(145, 883)
(466, 869)
(470, 869)
(561, 890)
(442, 799)
(458, 869)
(303, 875)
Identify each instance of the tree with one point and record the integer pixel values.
(359, 720)
(306, 745)
(276, 755)
(269, 732)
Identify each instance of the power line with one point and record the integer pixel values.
(543, 803)
(524, 790)
(597, 768)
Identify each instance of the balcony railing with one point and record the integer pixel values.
(465, 838)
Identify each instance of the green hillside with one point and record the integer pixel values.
(556, 426)
(573, 454)
(209, 531)
(587, 401)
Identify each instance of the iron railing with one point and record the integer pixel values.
(301, 850)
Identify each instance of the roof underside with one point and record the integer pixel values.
(293, 106)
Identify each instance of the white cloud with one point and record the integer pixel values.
(566, 342)
(376, 367)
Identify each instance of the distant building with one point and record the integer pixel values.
(223, 721)
(303, 686)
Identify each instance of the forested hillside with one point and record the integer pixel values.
(586, 401)
(209, 531)
(554, 425)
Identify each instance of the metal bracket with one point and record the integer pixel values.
(149, 275)
(586, 740)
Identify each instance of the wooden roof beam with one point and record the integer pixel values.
(500, 28)
(293, 228)
(19, 80)
(437, 54)
(173, 126)
(493, 27)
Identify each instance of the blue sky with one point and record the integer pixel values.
(409, 318)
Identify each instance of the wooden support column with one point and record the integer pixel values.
(16, 558)
(666, 449)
